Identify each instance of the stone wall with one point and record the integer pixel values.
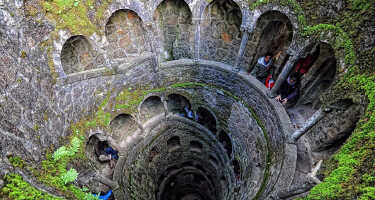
(53, 77)
(220, 31)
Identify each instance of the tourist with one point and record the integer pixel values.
(263, 68)
(105, 196)
(288, 91)
(110, 155)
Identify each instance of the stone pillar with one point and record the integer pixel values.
(155, 55)
(284, 74)
(197, 37)
(241, 51)
(110, 183)
(315, 118)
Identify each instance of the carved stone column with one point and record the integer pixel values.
(197, 38)
(284, 74)
(241, 51)
(155, 55)
(315, 118)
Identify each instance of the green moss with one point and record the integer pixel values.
(73, 14)
(342, 40)
(352, 175)
(16, 188)
(17, 161)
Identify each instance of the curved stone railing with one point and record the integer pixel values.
(253, 94)
(267, 123)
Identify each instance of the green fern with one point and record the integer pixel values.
(76, 143)
(69, 176)
(60, 153)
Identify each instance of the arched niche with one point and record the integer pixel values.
(319, 76)
(122, 126)
(95, 147)
(151, 107)
(227, 143)
(126, 35)
(77, 55)
(178, 104)
(236, 169)
(220, 31)
(173, 143)
(206, 118)
(273, 33)
(196, 146)
(174, 29)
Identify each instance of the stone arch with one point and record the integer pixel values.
(320, 73)
(273, 33)
(156, 4)
(126, 35)
(227, 143)
(122, 126)
(95, 147)
(77, 55)
(220, 31)
(173, 143)
(151, 107)
(178, 104)
(196, 146)
(207, 119)
(174, 29)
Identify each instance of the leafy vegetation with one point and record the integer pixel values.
(69, 176)
(16, 188)
(352, 175)
(16, 161)
(73, 14)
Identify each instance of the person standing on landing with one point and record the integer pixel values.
(289, 90)
(263, 68)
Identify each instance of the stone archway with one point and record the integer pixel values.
(174, 29)
(273, 33)
(126, 36)
(220, 31)
(77, 55)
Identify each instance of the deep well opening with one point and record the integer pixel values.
(220, 31)
(77, 55)
(155, 102)
(175, 29)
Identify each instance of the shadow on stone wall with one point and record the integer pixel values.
(174, 30)
(220, 31)
(77, 55)
(126, 36)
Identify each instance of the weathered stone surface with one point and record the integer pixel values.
(52, 78)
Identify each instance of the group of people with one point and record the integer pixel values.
(289, 90)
